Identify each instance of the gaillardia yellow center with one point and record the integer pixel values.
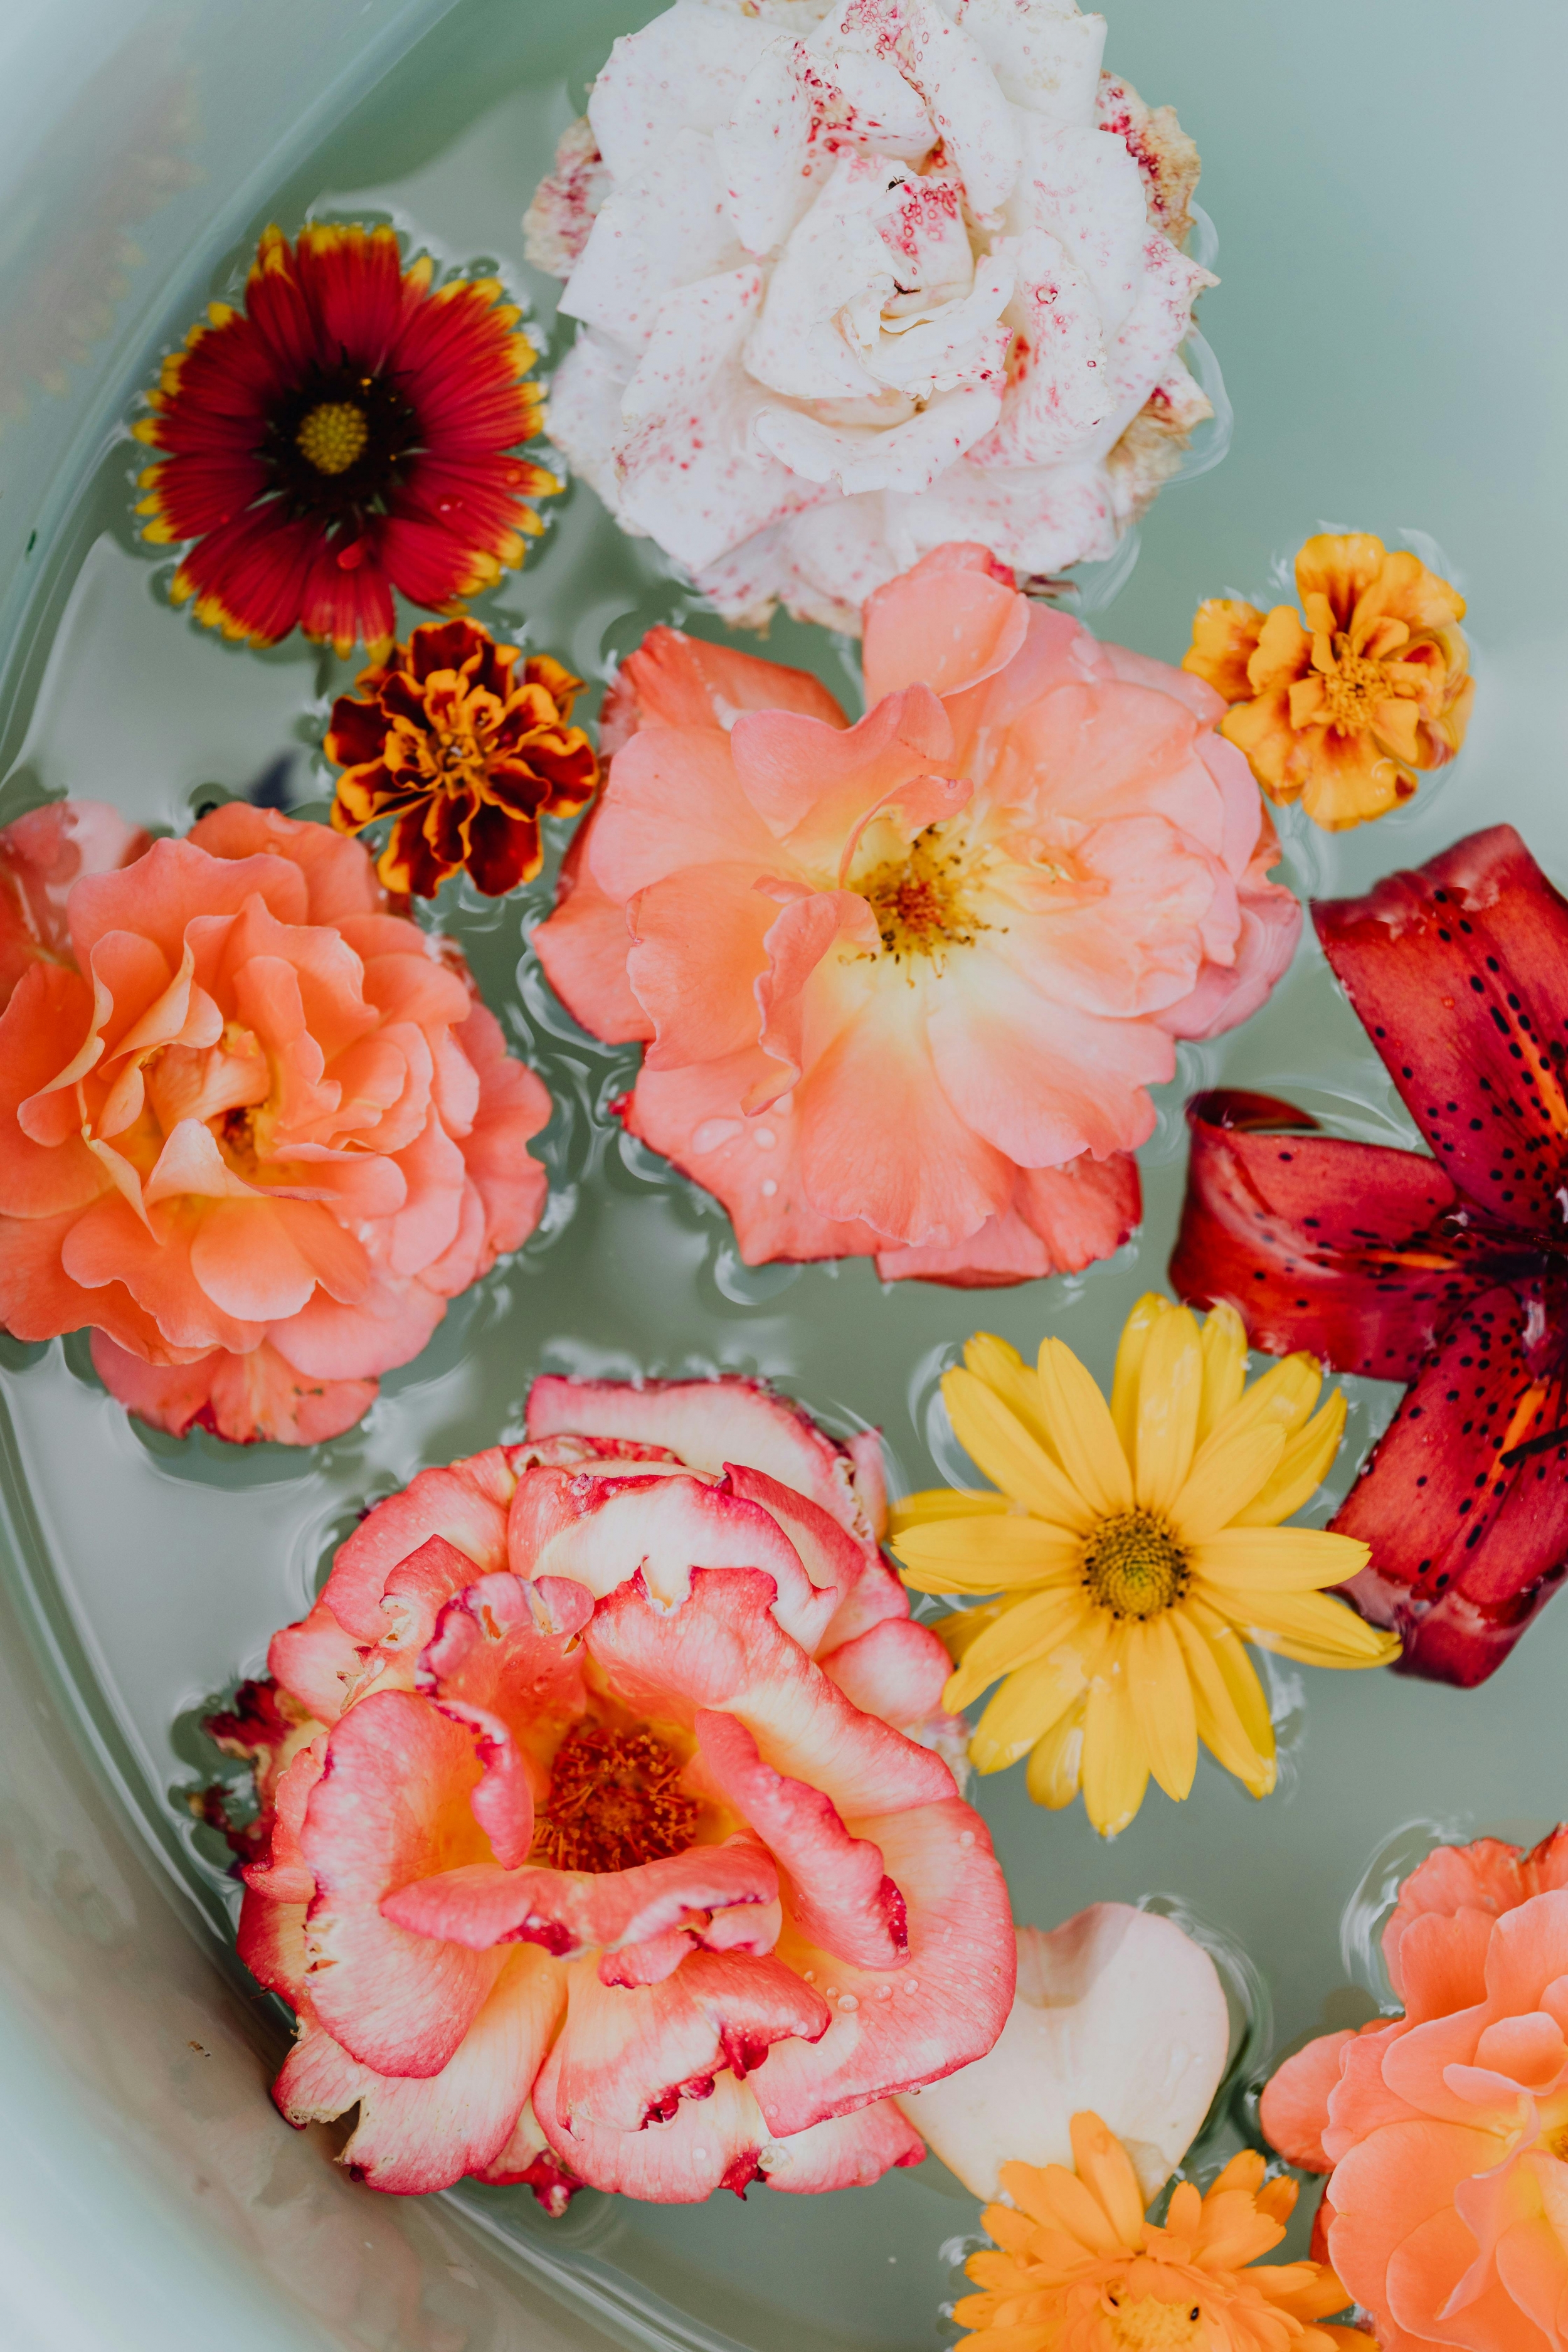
(333, 437)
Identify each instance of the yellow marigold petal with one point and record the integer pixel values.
(1225, 636)
(1228, 1469)
(984, 1555)
(1011, 2229)
(1185, 2210)
(1397, 724)
(1052, 2195)
(1275, 752)
(1224, 1341)
(944, 1503)
(1004, 1372)
(1163, 1704)
(1347, 780)
(1341, 568)
(1083, 1432)
(1128, 1366)
(1403, 590)
(1033, 1699)
(1234, 1722)
(1056, 1762)
(1106, 2170)
(1242, 1561)
(1283, 652)
(1017, 1637)
(1170, 1392)
(1000, 1445)
(1304, 1464)
(1277, 2198)
(1115, 1761)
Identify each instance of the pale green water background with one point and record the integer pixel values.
(1391, 326)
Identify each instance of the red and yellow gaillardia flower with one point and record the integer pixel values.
(1339, 707)
(1077, 2268)
(465, 745)
(352, 430)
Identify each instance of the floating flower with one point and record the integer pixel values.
(1341, 713)
(1117, 2009)
(1444, 2130)
(598, 1847)
(905, 984)
(349, 433)
(1077, 2268)
(254, 1131)
(1137, 1546)
(856, 279)
(1444, 1272)
(463, 755)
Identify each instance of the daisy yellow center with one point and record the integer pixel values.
(333, 437)
(1146, 2323)
(919, 900)
(614, 1801)
(1132, 1565)
(1351, 688)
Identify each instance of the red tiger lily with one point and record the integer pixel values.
(1449, 1272)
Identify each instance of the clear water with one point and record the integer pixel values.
(158, 1569)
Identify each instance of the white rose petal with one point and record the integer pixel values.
(868, 274)
(1118, 2013)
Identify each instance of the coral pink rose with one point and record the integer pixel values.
(597, 1848)
(1445, 2131)
(904, 985)
(254, 1131)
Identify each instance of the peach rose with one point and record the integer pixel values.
(596, 1846)
(1444, 2130)
(254, 1131)
(904, 985)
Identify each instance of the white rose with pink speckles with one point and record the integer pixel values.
(856, 277)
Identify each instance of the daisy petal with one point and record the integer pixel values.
(1002, 1448)
(1115, 1762)
(1032, 1699)
(982, 1555)
(1225, 1366)
(1130, 1364)
(1302, 1470)
(1163, 1704)
(1238, 1678)
(1003, 1368)
(1244, 1560)
(1314, 1630)
(1169, 1395)
(1082, 1429)
(1229, 1468)
(1019, 1636)
(1056, 1761)
(942, 1503)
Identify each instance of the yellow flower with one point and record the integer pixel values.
(1341, 713)
(1077, 2268)
(1135, 1549)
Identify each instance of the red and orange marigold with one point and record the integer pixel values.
(352, 431)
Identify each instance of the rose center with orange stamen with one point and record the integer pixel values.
(1146, 2323)
(918, 900)
(1132, 1565)
(1352, 689)
(333, 437)
(1555, 2142)
(614, 1801)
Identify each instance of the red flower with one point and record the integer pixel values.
(1449, 1272)
(346, 435)
(463, 755)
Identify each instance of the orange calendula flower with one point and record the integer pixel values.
(1077, 2268)
(352, 431)
(1339, 706)
(465, 745)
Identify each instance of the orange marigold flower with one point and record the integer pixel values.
(1339, 713)
(352, 431)
(464, 753)
(1077, 2268)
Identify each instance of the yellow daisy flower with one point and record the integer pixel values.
(1134, 1549)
